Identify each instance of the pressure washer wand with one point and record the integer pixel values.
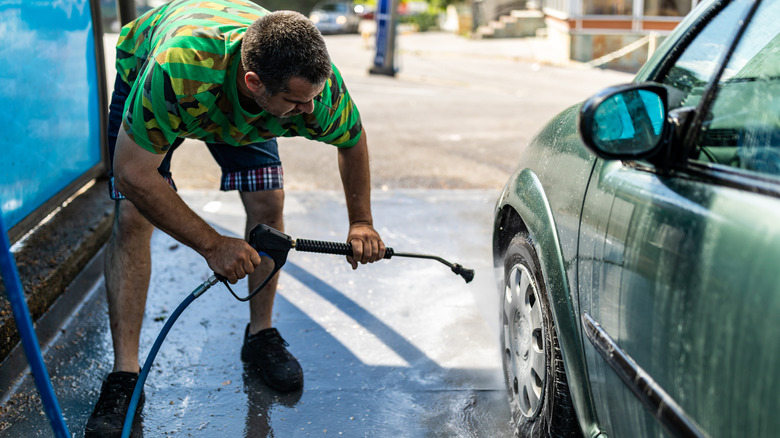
(274, 244)
(345, 249)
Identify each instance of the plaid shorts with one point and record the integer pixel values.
(252, 180)
(249, 168)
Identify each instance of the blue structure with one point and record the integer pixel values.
(52, 93)
(384, 60)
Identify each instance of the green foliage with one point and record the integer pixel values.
(424, 21)
(440, 5)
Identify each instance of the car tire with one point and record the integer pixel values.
(533, 367)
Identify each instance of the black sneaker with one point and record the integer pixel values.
(108, 417)
(265, 350)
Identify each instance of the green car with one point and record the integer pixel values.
(637, 247)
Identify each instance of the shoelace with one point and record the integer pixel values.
(275, 348)
(116, 397)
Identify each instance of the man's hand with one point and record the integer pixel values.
(232, 258)
(367, 246)
(136, 176)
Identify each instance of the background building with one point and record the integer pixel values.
(586, 30)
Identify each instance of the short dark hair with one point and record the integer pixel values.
(283, 45)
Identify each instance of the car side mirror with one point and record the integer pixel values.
(625, 122)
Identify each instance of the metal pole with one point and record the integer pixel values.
(384, 61)
(126, 11)
(24, 323)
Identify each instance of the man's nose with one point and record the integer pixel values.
(307, 107)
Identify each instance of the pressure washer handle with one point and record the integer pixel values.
(335, 248)
(268, 242)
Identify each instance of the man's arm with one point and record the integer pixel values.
(367, 246)
(136, 176)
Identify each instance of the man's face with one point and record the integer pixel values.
(297, 100)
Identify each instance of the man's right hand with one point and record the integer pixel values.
(232, 258)
(136, 176)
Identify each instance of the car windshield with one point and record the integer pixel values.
(699, 62)
(743, 123)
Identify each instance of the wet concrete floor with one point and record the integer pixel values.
(399, 348)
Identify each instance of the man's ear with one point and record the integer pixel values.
(253, 82)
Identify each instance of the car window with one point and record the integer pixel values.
(742, 128)
(688, 77)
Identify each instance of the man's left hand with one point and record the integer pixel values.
(367, 246)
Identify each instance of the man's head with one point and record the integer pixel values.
(280, 47)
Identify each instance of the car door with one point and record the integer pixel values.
(679, 267)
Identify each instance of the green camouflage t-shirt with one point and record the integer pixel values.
(181, 62)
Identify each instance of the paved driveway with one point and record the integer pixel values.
(399, 348)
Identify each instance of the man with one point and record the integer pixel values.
(235, 76)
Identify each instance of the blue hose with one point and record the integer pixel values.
(139, 386)
(32, 350)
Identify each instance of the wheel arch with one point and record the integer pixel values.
(523, 206)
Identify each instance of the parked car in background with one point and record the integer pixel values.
(637, 247)
(365, 11)
(335, 17)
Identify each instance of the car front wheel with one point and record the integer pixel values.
(533, 368)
